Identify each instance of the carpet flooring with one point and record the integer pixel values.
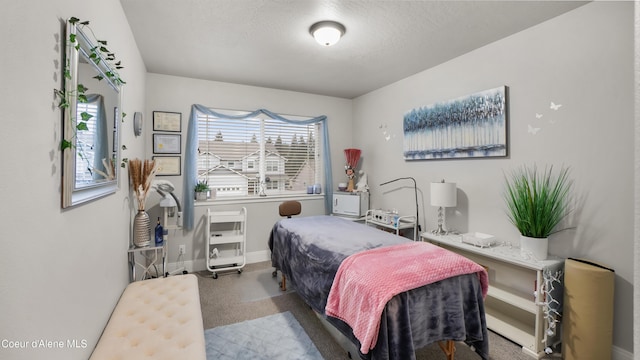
(226, 301)
(258, 285)
(277, 336)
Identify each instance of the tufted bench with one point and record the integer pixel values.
(155, 319)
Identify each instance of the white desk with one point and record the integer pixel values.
(512, 307)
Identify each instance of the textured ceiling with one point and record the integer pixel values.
(266, 42)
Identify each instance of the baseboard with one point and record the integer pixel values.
(200, 264)
(621, 354)
(258, 256)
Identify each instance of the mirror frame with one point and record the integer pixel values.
(82, 47)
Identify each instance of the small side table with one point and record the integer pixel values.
(151, 254)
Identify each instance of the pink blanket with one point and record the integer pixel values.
(367, 280)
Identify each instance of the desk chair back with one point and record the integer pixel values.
(290, 208)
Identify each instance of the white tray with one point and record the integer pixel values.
(478, 239)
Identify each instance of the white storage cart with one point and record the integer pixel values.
(226, 240)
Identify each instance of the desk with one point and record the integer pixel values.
(514, 304)
(151, 254)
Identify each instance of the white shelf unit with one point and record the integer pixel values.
(225, 240)
(511, 307)
(401, 223)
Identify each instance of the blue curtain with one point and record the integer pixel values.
(191, 154)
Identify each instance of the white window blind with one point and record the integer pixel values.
(242, 157)
(85, 142)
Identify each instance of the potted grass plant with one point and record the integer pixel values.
(536, 203)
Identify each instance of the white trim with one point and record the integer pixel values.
(620, 354)
(258, 256)
(199, 264)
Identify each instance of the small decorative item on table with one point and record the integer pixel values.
(478, 239)
(141, 174)
(352, 156)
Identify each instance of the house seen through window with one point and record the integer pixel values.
(247, 157)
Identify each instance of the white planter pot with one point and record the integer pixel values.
(201, 195)
(533, 248)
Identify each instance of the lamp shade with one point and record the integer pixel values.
(443, 194)
(327, 33)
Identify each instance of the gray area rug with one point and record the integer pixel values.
(277, 336)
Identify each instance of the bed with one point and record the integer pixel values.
(309, 252)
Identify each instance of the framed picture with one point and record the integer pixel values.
(168, 165)
(166, 144)
(472, 126)
(167, 121)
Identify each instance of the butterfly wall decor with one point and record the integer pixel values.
(534, 130)
(387, 135)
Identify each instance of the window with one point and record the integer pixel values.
(272, 166)
(236, 155)
(85, 140)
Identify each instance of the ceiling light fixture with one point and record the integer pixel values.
(327, 33)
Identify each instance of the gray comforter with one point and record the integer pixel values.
(309, 250)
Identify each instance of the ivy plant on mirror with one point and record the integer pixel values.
(92, 115)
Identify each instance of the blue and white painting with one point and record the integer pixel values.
(468, 127)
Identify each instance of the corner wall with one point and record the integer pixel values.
(582, 60)
(61, 271)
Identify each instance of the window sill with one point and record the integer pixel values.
(257, 199)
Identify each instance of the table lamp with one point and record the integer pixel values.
(442, 195)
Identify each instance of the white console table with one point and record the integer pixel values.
(512, 308)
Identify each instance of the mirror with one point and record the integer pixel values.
(91, 124)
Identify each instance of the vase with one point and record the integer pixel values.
(141, 229)
(533, 248)
(201, 195)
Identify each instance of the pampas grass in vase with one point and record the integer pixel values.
(141, 175)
